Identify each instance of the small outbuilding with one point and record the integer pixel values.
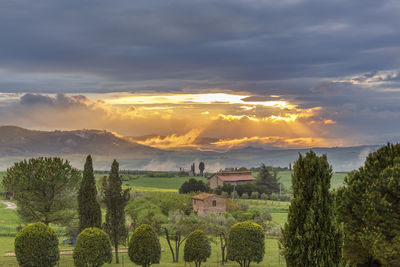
(230, 177)
(205, 202)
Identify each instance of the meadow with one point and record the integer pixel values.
(286, 179)
(9, 222)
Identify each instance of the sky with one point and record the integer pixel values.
(205, 74)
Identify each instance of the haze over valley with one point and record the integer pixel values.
(17, 143)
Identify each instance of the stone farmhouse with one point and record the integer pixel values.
(231, 177)
(205, 202)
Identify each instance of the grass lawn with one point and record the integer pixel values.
(285, 178)
(167, 184)
(271, 257)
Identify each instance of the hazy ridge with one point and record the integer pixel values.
(18, 143)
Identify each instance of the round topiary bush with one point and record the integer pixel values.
(37, 245)
(144, 246)
(197, 248)
(246, 243)
(93, 248)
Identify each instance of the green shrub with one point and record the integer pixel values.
(274, 196)
(255, 195)
(246, 243)
(245, 196)
(36, 245)
(264, 196)
(144, 246)
(93, 248)
(231, 206)
(197, 248)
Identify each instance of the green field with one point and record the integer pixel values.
(170, 183)
(286, 179)
(145, 183)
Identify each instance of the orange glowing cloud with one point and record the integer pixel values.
(172, 141)
(215, 121)
(276, 141)
(207, 98)
(329, 122)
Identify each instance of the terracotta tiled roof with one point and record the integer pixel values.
(235, 176)
(203, 196)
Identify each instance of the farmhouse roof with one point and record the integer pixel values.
(235, 176)
(203, 196)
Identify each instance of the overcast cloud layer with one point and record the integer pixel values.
(340, 55)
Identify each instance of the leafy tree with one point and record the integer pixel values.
(45, 189)
(193, 185)
(88, 207)
(369, 207)
(201, 168)
(177, 229)
(115, 200)
(219, 225)
(144, 246)
(37, 245)
(93, 248)
(197, 248)
(311, 237)
(271, 181)
(246, 243)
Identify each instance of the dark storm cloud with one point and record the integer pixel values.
(340, 55)
(60, 101)
(81, 46)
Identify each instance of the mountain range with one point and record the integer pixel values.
(18, 143)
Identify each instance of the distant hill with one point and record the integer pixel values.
(18, 143)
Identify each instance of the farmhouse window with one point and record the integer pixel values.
(214, 203)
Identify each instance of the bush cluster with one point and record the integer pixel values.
(197, 248)
(37, 245)
(144, 246)
(93, 248)
(246, 243)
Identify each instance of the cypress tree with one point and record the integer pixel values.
(115, 200)
(88, 207)
(311, 236)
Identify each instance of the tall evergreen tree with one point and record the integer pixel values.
(88, 207)
(369, 208)
(201, 168)
(311, 237)
(115, 200)
(268, 179)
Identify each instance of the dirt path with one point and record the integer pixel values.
(64, 252)
(9, 205)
